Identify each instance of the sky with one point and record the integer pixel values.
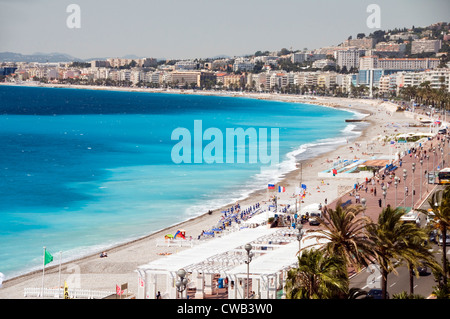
(187, 29)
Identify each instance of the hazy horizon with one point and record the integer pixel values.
(198, 28)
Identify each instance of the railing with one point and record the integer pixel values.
(74, 293)
(175, 242)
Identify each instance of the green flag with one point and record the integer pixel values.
(48, 258)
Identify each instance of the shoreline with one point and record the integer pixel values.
(198, 222)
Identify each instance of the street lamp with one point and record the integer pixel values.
(299, 237)
(248, 248)
(405, 175)
(384, 188)
(434, 159)
(428, 171)
(182, 282)
(421, 176)
(412, 187)
(396, 180)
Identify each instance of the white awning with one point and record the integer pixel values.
(281, 258)
(210, 248)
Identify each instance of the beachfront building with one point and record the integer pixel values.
(327, 79)
(233, 80)
(370, 77)
(189, 78)
(345, 81)
(278, 80)
(438, 79)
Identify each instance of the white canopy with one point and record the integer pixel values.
(310, 208)
(258, 219)
(272, 262)
(210, 248)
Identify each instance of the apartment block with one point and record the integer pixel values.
(348, 58)
(364, 43)
(390, 47)
(420, 46)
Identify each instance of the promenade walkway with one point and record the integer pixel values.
(410, 193)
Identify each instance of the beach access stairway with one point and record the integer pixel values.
(74, 293)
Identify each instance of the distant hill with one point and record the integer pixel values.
(37, 57)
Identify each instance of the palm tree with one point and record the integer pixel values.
(440, 202)
(421, 255)
(404, 295)
(344, 235)
(317, 277)
(390, 241)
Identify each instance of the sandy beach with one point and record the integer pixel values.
(119, 267)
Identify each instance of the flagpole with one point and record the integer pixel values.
(43, 273)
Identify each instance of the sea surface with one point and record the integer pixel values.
(84, 170)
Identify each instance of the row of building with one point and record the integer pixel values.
(375, 72)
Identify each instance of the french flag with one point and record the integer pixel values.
(281, 189)
(271, 186)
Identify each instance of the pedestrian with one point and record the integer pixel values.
(379, 202)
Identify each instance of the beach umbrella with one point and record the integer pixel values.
(169, 236)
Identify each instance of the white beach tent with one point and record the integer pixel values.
(269, 272)
(193, 260)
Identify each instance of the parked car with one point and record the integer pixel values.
(376, 293)
(422, 269)
(447, 241)
(433, 236)
(314, 218)
(442, 131)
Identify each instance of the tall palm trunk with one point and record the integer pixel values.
(384, 274)
(444, 253)
(411, 279)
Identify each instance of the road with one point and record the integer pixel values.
(423, 285)
(396, 283)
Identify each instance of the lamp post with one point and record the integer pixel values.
(428, 171)
(434, 159)
(412, 186)
(405, 175)
(248, 248)
(299, 237)
(384, 188)
(182, 282)
(421, 176)
(396, 186)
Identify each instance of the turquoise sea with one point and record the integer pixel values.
(82, 170)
